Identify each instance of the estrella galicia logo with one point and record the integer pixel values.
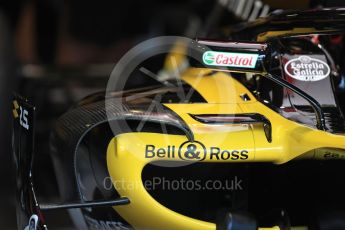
(305, 68)
(192, 151)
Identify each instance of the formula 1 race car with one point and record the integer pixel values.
(261, 110)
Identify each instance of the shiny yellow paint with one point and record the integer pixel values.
(273, 228)
(176, 58)
(285, 33)
(15, 109)
(126, 161)
(126, 152)
(217, 88)
(325, 154)
(148, 214)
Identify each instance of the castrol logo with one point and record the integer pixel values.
(227, 59)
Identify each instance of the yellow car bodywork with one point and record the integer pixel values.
(290, 140)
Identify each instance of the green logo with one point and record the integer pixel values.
(208, 58)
